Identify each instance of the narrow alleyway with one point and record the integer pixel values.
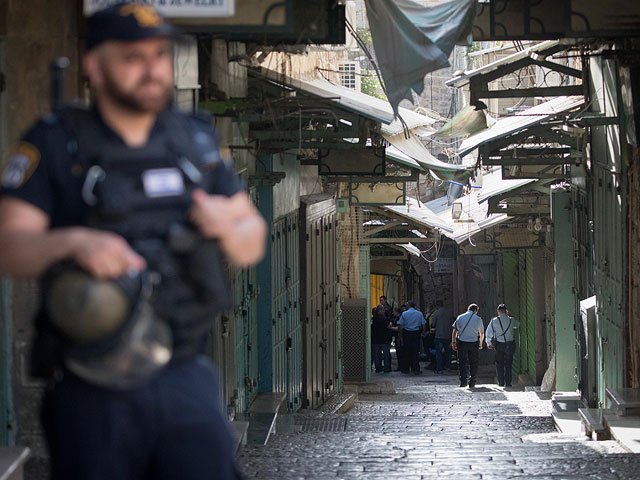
(431, 428)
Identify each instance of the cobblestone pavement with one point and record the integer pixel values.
(431, 428)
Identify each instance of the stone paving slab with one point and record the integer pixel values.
(431, 429)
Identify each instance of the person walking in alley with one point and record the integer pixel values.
(127, 199)
(381, 340)
(441, 322)
(411, 326)
(501, 338)
(466, 339)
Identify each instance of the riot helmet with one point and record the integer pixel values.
(111, 334)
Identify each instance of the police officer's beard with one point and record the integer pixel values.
(131, 100)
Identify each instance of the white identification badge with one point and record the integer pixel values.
(163, 182)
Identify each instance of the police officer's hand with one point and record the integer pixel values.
(105, 254)
(216, 215)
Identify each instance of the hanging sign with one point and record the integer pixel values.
(175, 8)
(443, 265)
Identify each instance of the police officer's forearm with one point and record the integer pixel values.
(244, 243)
(28, 254)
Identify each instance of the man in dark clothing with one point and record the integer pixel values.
(388, 310)
(381, 340)
(441, 321)
(401, 356)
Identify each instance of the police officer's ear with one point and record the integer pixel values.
(91, 67)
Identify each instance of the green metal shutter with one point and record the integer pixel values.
(246, 339)
(510, 260)
(365, 292)
(527, 314)
(286, 331)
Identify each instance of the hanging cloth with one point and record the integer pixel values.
(411, 40)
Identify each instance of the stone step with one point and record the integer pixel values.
(624, 401)
(566, 402)
(262, 416)
(594, 424)
(240, 429)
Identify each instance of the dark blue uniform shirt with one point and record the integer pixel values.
(44, 171)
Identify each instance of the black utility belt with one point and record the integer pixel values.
(470, 343)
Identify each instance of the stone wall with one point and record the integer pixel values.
(36, 32)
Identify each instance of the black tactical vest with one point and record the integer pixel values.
(144, 194)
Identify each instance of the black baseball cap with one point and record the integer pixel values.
(502, 306)
(128, 21)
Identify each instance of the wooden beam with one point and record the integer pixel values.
(559, 68)
(509, 161)
(382, 228)
(532, 92)
(399, 240)
(394, 257)
(515, 211)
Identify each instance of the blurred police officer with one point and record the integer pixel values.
(466, 339)
(500, 336)
(171, 426)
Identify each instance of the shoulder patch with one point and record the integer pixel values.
(23, 161)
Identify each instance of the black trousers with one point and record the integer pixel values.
(172, 427)
(504, 361)
(401, 356)
(412, 350)
(468, 357)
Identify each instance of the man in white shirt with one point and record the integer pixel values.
(466, 339)
(501, 338)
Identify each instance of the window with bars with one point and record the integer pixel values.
(349, 75)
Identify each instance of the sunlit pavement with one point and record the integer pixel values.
(431, 428)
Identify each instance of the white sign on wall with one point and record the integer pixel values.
(175, 8)
(443, 265)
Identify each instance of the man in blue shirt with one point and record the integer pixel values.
(411, 326)
(467, 337)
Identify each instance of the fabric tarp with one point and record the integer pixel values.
(412, 40)
(466, 122)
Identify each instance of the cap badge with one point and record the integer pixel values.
(145, 15)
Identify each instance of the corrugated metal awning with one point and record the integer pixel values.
(415, 149)
(502, 187)
(521, 121)
(393, 155)
(356, 102)
(474, 219)
(393, 130)
(465, 78)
